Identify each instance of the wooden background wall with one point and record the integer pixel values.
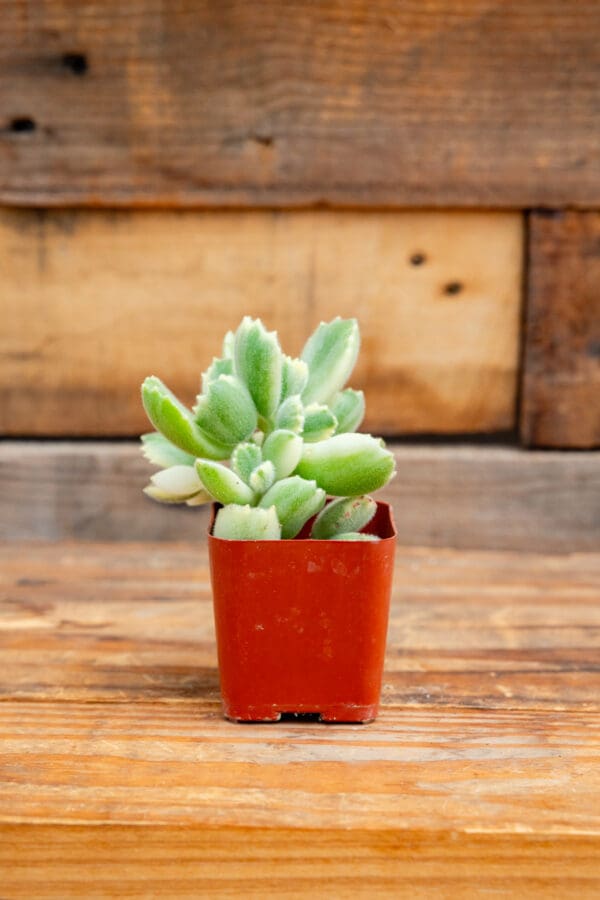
(432, 167)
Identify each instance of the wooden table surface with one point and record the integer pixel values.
(120, 778)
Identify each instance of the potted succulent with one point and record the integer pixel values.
(301, 556)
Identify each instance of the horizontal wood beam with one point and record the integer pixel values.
(428, 103)
(93, 301)
(482, 497)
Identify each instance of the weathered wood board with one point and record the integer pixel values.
(92, 302)
(561, 376)
(118, 773)
(472, 497)
(424, 103)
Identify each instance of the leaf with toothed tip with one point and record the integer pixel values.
(258, 362)
(161, 452)
(177, 484)
(319, 422)
(216, 368)
(347, 514)
(294, 376)
(176, 422)
(262, 477)
(247, 523)
(330, 353)
(290, 414)
(223, 484)
(295, 500)
(347, 465)
(244, 460)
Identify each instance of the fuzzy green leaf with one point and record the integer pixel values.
(294, 377)
(258, 362)
(348, 514)
(244, 460)
(161, 452)
(216, 368)
(262, 477)
(223, 484)
(284, 449)
(330, 353)
(347, 465)
(319, 422)
(349, 409)
(247, 523)
(176, 422)
(295, 500)
(226, 412)
(290, 414)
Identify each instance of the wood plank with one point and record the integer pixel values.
(95, 861)
(561, 380)
(472, 497)
(95, 301)
(133, 622)
(117, 771)
(429, 103)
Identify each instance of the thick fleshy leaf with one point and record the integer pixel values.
(223, 484)
(258, 362)
(319, 422)
(216, 368)
(290, 414)
(347, 465)
(294, 377)
(176, 422)
(341, 516)
(349, 409)
(156, 494)
(330, 353)
(244, 460)
(161, 452)
(180, 482)
(262, 477)
(247, 523)
(284, 449)
(226, 412)
(295, 500)
(229, 345)
(355, 536)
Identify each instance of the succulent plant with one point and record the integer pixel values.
(270, 437)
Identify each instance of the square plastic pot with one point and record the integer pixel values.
(302, 624)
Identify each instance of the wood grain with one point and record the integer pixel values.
(421, 103)
(123, 622)
(118, 773)
(561, 381)
(94, 302)
(472, 497)
(96, 861)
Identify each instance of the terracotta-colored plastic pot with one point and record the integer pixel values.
(301, 624)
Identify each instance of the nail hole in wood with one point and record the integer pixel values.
(21, 124)
(76, 62)
(453, 288)
(417, 259)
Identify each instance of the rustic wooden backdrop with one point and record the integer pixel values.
(432, 167)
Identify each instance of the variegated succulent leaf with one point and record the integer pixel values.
(226, 412)
(262, 477)
(347, 465)
(349, 409)
(296, 500)
(217, 367)
(177, 484)
(290, 414)
(258, 361)
(247, 523)
(342, 516)
(330, 353)
(223, 484)
(319, 422)
(294, 377)
(176, 422)
(229, 345)
(245, 458)
(161, 452)
(284, 449)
